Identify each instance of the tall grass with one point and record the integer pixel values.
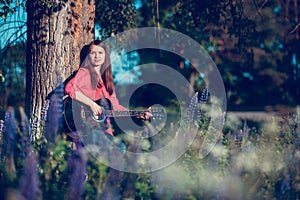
(246, 163)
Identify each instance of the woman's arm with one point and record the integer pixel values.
(96, 109)
(82, 82)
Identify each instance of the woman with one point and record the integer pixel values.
(94, 80)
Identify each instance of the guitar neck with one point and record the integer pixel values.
(124, 113)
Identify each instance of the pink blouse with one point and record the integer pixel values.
(82, 82)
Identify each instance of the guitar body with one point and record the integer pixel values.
(78, 116)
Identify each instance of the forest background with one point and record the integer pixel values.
(255, 45)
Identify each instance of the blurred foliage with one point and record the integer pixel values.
(114, 16)
(8, 7)
(252, 43)
(253, 162)
(248, 41)
(12, 74)
(12, 22)
(248, 162)
(255, 45)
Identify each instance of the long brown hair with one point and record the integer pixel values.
(105, 71)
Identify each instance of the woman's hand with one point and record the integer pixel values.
(96, 109)
(147, 115)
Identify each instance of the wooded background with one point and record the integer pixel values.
(255, 44)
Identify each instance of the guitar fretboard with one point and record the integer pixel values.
(124, 113)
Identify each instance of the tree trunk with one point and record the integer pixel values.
(56, 32)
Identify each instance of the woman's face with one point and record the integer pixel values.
(96, 56)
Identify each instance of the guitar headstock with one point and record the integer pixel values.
(158, 112)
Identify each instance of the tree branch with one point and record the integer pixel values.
(294, 29)
(260, 9)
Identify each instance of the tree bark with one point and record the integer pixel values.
(56, 32)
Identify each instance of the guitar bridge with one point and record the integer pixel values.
(82, 112)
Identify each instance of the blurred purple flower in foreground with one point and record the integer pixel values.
(54, 116)
(10, 131)
(29, 181)
(77, 167)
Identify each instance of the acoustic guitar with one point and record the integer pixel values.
(77, 116)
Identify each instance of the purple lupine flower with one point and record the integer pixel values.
(202, 101)
(112, 190)
(285, 188)
(97, 138)
(204, 96)
(10, 131)
(77, 168)
(26, 133)
(34, 128)
(10, 167)
(193, 106)
(45, 110)
(293, 121)
(234, 136)
(54, 116)
(245, 130)
(1, 126)
(29, 180)
(1, 136)
(239, 136)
